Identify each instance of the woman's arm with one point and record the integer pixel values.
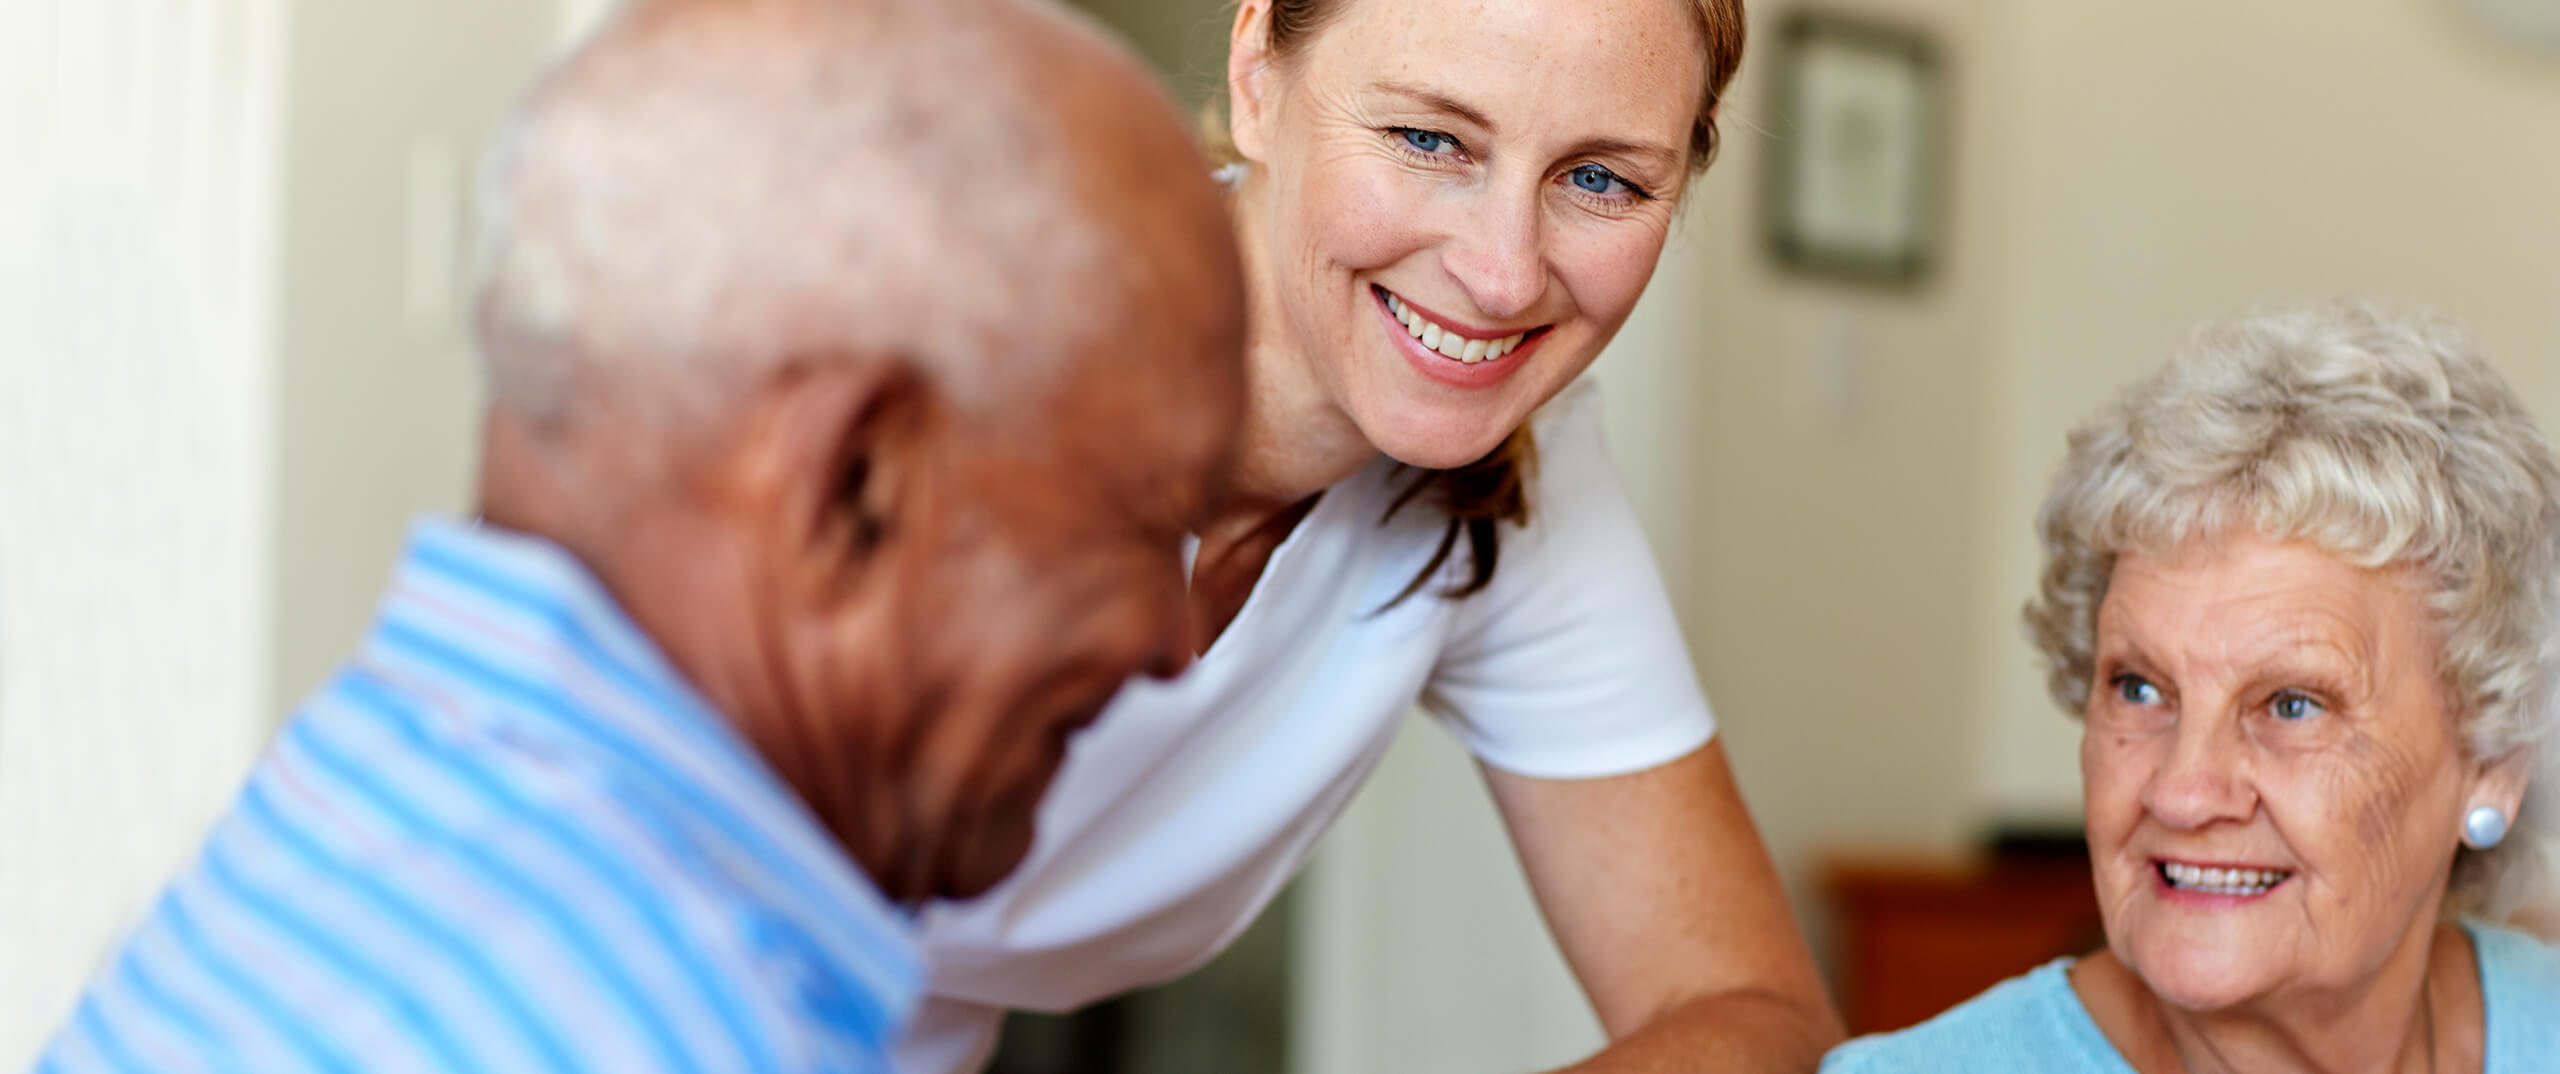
(1659, 891)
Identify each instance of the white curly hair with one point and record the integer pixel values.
(2382, 437)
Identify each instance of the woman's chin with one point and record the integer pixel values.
(1434, 438)
(2199, 980)
(1438, 455)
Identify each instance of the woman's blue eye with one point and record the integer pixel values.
(1432, 142)
(2294, 707)
(1598, 180)
(2137, 690)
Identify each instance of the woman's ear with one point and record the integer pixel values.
(1248, 64)
(2502, 783)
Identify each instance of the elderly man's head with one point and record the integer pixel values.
(877, 354)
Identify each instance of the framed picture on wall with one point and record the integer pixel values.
(1851, 186)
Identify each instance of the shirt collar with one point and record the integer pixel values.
(520, 624)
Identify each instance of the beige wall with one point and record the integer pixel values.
(229, 372)
(1819, 486)
(379, 397)
(2174, 160)
(137, 219)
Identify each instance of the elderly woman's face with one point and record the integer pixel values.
(2273, 781)
(1465, 198)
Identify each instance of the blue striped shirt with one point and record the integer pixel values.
(506, 837)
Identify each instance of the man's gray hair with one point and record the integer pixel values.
(2385, 439)
(690, 205)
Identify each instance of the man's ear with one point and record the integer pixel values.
(1248, 68)
(832, 448)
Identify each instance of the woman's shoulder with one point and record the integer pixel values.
(2029, 1023)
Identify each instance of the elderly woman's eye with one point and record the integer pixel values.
(2291, 706)
(2134, 689)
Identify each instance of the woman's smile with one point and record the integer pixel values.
(2210, 885)
(1451, 351)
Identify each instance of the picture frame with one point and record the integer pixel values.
(1851, 187)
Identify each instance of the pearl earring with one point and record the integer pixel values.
(2484, 827)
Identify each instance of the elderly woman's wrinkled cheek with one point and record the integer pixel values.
(2360, 818)
(2115, 766)
(2379, 781)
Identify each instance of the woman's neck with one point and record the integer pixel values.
(1296, 439)
(2417, 1015)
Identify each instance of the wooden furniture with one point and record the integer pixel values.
(1921, 933)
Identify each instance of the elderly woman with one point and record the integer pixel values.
(2301, 585)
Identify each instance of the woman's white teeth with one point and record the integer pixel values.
(2221, 881)
(1451, 344)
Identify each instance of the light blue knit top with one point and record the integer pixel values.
(2034, 1024)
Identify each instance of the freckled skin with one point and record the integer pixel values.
(1489, 229)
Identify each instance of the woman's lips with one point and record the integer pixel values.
(1458, 355)
(2218, 880)
(1460, 343)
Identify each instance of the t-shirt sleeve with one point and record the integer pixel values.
(1570, 664)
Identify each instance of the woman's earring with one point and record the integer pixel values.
(2484, 827)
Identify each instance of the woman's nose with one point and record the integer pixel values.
(2204, 779)
(1497, 255)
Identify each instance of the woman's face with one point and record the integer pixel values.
(1495, 175)
(2274, 783)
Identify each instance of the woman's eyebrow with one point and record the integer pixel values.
(2115, 654)
(1652, 152)
(1437, 101)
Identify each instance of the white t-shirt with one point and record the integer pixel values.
(1189, 804)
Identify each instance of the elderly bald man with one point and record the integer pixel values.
(856, 369)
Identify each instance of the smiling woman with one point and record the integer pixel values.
(2303, 585)
(1446, 209)
(1445, 136)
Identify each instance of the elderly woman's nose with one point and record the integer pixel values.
(2203, 778)
(1498, 256)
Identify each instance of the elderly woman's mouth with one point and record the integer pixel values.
(2219, 880)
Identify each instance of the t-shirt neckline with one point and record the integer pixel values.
(1254, 597)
